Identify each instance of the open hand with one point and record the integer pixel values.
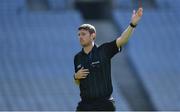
(136, 16)
(82, 73)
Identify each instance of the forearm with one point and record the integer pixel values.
(77, 82)
(123, 39)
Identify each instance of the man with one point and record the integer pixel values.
(93, 66)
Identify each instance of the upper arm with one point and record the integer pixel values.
(119, 42)
(75, 63)
(111, 48)
(75, 69)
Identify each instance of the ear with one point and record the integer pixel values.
(93, 36)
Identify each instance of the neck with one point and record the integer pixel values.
(88, 48)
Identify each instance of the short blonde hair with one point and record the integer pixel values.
(88, 27)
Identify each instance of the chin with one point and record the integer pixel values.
(83, 45)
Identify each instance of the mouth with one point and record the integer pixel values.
(81, 40)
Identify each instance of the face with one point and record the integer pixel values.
(85, 37)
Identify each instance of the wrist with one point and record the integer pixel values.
(133, 25)
(75, 78)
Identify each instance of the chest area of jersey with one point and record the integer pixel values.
(91, 61)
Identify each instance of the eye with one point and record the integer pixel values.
(83, 34)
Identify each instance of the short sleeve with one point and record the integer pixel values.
(110, 48)
(75, 64)
(75, 69)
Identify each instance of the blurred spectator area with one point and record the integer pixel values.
(38, 39)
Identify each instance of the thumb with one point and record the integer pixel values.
(134, 12)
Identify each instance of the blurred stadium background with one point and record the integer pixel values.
(38, 39)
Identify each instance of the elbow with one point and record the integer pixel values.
(121, 42)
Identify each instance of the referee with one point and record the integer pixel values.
(93, 66)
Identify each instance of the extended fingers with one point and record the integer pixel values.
(85, 70)
(140, 11)
(84, 75)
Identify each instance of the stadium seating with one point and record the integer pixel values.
(58, 5)
(123, 4)
(37, 49)
(36, 61)
(36, 67)
(12, 6)
(154, 53)
(168, 5)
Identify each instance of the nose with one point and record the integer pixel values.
(80, 37)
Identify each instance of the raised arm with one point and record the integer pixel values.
(123, 39)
